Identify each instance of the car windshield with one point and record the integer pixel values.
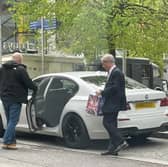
(101, 80)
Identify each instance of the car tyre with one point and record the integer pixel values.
(1, 128)
(74, 132)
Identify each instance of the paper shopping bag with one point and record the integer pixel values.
(94, 105)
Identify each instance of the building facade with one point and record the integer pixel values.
(7, 27)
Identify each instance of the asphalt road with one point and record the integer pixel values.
(42, 151)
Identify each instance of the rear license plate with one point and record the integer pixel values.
(143, 105)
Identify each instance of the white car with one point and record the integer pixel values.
(59, 109)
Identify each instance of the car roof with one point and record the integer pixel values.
(78, 74)
(85, 73)
(82, 74)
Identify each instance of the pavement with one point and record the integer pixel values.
(33, 153)
(4, 162)
(45, 152)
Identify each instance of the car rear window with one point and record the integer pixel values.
(101, 80)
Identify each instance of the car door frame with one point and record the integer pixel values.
(31, 115)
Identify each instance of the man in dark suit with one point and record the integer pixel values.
(115, 101)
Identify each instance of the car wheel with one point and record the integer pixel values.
(1, 128)
(74, 132)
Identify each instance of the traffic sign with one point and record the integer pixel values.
(47, 24)
(44, 24)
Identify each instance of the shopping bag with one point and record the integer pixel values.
(100, 105)
(94, 105)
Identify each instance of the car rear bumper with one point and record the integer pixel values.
(128, 131)
(129, 124)
(133, 131)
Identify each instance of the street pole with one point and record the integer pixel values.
(124, 62)
(42, 45)
(0, 40)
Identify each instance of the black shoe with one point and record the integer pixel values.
(122, 146)
(110, 153)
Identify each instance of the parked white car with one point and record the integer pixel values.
(59, 109)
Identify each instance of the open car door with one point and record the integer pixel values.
(46, 108)
(36, 104)
(31, 116)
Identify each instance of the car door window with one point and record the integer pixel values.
(42, 87)
(63, 83)
(55, 84)
(70, 86)
(40, 83)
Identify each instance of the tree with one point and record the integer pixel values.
(137, 26)
(140, 27)
(97, 26)
(64, 11)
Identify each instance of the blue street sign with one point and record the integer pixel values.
(47, 24)
(35, 25)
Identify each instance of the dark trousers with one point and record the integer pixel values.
(110, 124)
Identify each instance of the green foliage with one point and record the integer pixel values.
(141, 29)
(97, 26)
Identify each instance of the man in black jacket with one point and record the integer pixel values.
(14, 85)
(115, 101)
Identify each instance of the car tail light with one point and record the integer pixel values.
(128, 106)
(164, 102)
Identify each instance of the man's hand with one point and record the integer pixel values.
(98, 92)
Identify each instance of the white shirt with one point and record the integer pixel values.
(110, 71)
